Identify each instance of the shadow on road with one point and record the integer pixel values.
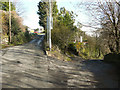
(58, 78)
(105, 75)
(27, 66)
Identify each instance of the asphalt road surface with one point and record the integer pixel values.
(26, 66)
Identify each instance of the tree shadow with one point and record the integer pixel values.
(58, 78)
(104, 74)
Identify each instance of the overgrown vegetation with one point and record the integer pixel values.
(64, 33)
(19, 32)
(106, 17)
(105, 40)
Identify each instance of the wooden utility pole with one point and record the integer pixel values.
(1, 25)
(9, 21)
(47, 26)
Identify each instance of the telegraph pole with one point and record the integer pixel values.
(9, 21)
(47, 26)
(1, 26)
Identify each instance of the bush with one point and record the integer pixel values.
(18, 39)
(72, 48)
(21, 38)
(27, 36)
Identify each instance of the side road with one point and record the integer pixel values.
(27, 66)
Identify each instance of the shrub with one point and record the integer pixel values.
(72, 48)
(27, 36)
(21, 38)
(18, 39)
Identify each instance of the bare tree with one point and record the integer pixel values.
(106, 14)
(20, 9)
(111, 22)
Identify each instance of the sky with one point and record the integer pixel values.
(31, 19)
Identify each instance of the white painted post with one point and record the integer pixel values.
(81, 39)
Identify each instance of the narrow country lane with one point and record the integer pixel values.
(27, 66)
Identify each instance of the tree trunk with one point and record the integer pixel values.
(65, 49)
(111, 48)
(117, 46)
(99, 52)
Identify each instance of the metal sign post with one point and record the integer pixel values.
(50, 15)
(49, 24)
